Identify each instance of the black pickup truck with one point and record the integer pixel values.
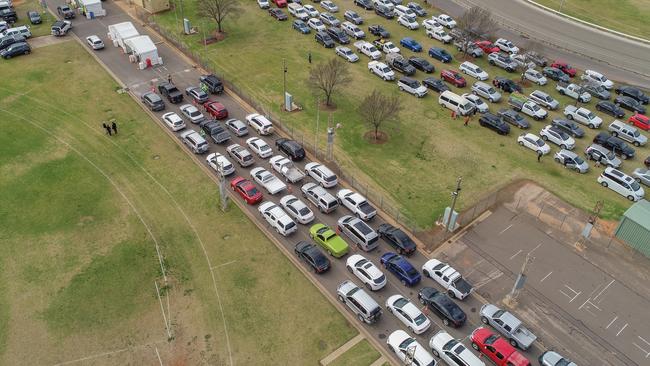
(216, 131)
(399, 63)
(171, 92)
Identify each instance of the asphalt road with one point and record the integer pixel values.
(619, 58)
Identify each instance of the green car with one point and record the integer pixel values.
(329, 240)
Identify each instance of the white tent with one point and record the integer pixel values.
(142, 51)
(119, 32)
(92, 8)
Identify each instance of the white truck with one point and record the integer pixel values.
(386, 46)
(447, 277)
(277, 218)
(382, 70)
(574, 91)
(284, 166)
(583, 115)
(267, 180)
(439, 34)
(368, 49)
(528, 107)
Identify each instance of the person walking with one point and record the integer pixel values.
(309, 57)
(169, 78)
(108, 130)
(539, 156)
(114, 127)
(466, 120)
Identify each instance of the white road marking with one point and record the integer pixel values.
(612, 322)
(545, 277)
(474, 267)
(576, 293)
(647, 353)
(490, 277)
(619, 332)
(159, 359)
(514, 255)
(504, 230)
(538, 245)
(603, 290)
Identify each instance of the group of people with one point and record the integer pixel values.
(110, 129)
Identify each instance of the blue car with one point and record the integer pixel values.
(301, 26)
(440, 54)
(400, 267)
(411, 44)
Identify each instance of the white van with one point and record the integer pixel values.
(621, 183)
(455, 102)
(404, 10)
(473, 71)
(23, 30)
(298, 11)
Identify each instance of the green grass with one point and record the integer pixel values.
(627, 16)
(362, 354)
(23, 6)
(78, 267)
(426, 151)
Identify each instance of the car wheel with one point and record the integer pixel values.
(445, 322)
(426, 273)
(545, 138)
(557, 160)
(391, 348)
(368, 286)
(410, 329)
(536, 118)
(349, 268)
(514, 343)
(435, 353)
(27, 52)
(521, 143)
(570, 116)
(591, 125)
(562, 92)
(599, 108)
(401, 89)
(361, 318)
(636, 143)
(390, 310)
(604, 184)
(341, 299)
(577, 169)
(563, 146)
(451, 294)
(422, 300)
(484, 320)
(403, 282)
(625, 157)
(475, 346)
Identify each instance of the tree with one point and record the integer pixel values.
(377, 108)
(327, 77)
(218, 10)
(475, 23)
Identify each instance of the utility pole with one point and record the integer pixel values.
(223, 191)
(511, 298)
(317, 122)
(284, 83)
(454, 197)
(330, 138)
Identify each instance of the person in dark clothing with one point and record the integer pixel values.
(169, 78)
(105, 127)
(114, 127)
(309, 57)
(539, 156)
(108, 129)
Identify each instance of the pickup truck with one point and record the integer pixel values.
(368, 49)
(399, 63)
(447, 277)
(583, 115)
(508, 325)
(60, 28)
(171, 92)
(382, 70)
(267, 180)
(523, 105)
(285, 167)
(216, 131)
(385, 46)
(574, 91)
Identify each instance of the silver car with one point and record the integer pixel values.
(192, 113)
(346, 53)
(486, 91)
(552, 358)
(237, 127)
(544, 100)
(642, 175)
(571, 160)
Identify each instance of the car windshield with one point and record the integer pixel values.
(591, 115)
(265, 148)
(400, 302)
(534, 107)
(563, 362)
(539, 142)
(420, 319)
(449, 345)
(386, 70)
(491, 339)
(412, 272)
(406, 343)
(330, 178)
(635, 185)
(251, 191)
(304, 211)
(578, 160)
(194, 113)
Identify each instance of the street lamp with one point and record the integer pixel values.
(284, 83)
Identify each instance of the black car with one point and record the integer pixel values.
(153, 101)
(312, 256)
(384, 12)
(9, 40)
(170, 91)
(629, 103)
(216, 131)
(421, 64)
(506, 85)
(646, 162)
(324, 39)
(215, 86)
(8, 15)
(366, 4)
(65, 12)
(278, 14)
(379, 31)
(556, 74)
(338, 35)
(495, 123)
(397, 238)
(417, 9)
(444, 307)
(610, 108)
(34, 17)
(16, 49)
(630, 91)
(435, 84)
(569, 127)
(290, 148)
(511, 116)
(618, 146)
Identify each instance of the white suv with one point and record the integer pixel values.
(260, 124)
(277, 218)
(597, 78)
(621, 183)
(473, 71)
(366, 271)
(452, 351)
(412, 86)
(356, 203)
(321, 174)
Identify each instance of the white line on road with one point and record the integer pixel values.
(545, 277)
(538, 245)
(514, 255)
(647, 353)
(619, 332)
(576, 293)
(159, 359)
(612, 322)
(504, 230)
(603, 290)
(490, 277)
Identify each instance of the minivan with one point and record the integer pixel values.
(194, 141)
(456, 103)
(364, 306)
(473, 71)
(359, 232)
(317, 195)
(621, 183)
(404, 10)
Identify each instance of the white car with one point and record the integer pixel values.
(535, 76)
(447, 277)
(297, 209)
(260, 124)
(431, 24)
(534, 143)
(389, 47)
(311, 10)
(480, 105)
(267, 180)
(329, 6)
(321, 174)
(473, 70)
(353, 30)
(263, 4)
(347, 54)
(404, 346)
(446, 21)
(316, 24)
(220, 163)
(366, 271)
(597, 78)
(277, 218)
(558, 137)
(382, 70)
(95, 42)
(173, 121)
(387, 3)
(192, 113)
(260, 147)
(451, 350)
(408, 313)
(356, 203)
(237, 127)
(506, 46)
(408, 22)
(439, 34)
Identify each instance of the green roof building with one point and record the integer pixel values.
(634, 228)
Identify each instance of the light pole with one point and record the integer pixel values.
(317, 122)
(223, 193)
(284, 83)
(454, 197)
(511, 298)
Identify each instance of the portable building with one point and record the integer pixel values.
(142, 51)
(91, 8)
(634, 227)
(120, 32)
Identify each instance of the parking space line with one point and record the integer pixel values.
(619, 332)
(612, 322)
(514, 255)
(474, 267)
(576, 293)
(545, 277)
(504, 230)
(534, 249)
(490, 277)
(603, 290)
(647, 353)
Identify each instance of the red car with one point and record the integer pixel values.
(640, 120)
(216, 109)
(280, 3)
(487, 46)
(453, 77)
(564, 67)
(246, 190)
(497, 349)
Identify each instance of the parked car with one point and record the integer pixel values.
(602, 155)
(421, 64)
(621, 183)
(556, 74)
(473, 71)
(526, 106)
(642, 175)
(535, 76)
(213, 83)
(536, 58)
(503, 61)
(195, 142)
(453, 77)
(410, 44)
(329, 6)
(399, 63)
(321, 174)
(639, 120)
(494, 123)
(280, 3)
(153, 101)
(564, 67)
(544, 99)
(397, 239)
(409, 314)
(365, 4)
(569, 127)
(440, 54)
(408, 350)
(469, 48)
(477, 102)
(171, 92)
(356, 203)
(486, 91)
(618, 146)
(506, 46)
(379, 31)
(278, 14)
(507, 85)
(318, 196)
(534, 143)
(441, 305)
(487, 46)
(592, 76)
(316, 24)
(216, 131)
(583, 115)
(192, 113)
(632, 92)
(324, 39)
(439, 34)
(329, 19)
(353, 30)
(237, 127)
(311, 255)
(267, 180)
(216, 109)
(571, 160)
(417, 9)
(65, 12)
(220, 164)
(95, 42)
(246, 189)
(34, 17)
(446, 20)
(452, 351)
(366, 271)
(300, 26)
(446, 276)
(511, 116)
(497, 349)
(558, 137)
(353, 17)
(333, 244)
(297, 209)
(240, 154)
(552, 358)
(260, 124)
(15, 49)
(401, 268)
(284, 166)
(384, 11)
(263, 4)
(630, 103)
(277, 218)
(7, 41)
(361, 304)
(628, 133)
(610, 108)
(338, 35)
(597, 91)
(435, 84)
(290, 148)
(574, 91)
(260, 147)
(173, 121)
(412, 86)
(197, 94)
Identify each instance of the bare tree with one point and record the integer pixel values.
(377, 108)
(327, 77)
(218, 10)
(475, 23)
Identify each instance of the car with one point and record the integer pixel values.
(212, 83)
(552, 358)
(594, 77)
(324, 39)
(153, 101)
(260, 124)
(267, 180)
(621, 183)
(431, 24)
(170, 91)
(632, 92)
(329, 6)
(544, 99)
(409, 314)
(278, 14)
(411, 86)
(197, 94)
(597, 91)
(215, 130)
(497, 349)
(310, 254)
(331, 242)
(277, 218)
(443, 306)
(477, 102)
(384, 11)
(564, 67)
(408, 350)
(298, 11)
(534, 143)
(452, 351)
(446, 276)
(410, 44)
(329, 19)
(6, 41)
(618, 146)
(521, 104)
(639, 120)
(486, 91)
(220, 164)
(440, 54)
(535, 76)
(379, 31)
(365, 4)
(353, 17)
(536, 58)
(311, 11)
(401, 268)
(397, 239)
(369, 274)
(473, 70)
(34, 17)
(440, 35)
(503, 61)
(646, 162)
(300, 26)
(194, 141)
(494, 123)
(321, 174)
(95, 42)
(316, 24)
(421, 64)
(610, 108)
(318, 196)
(602, 155)
(558, 137)
(506, 46)
(417, 9)
(353, 30)
(571, 160)
(192, 113)
(569, 127)
(65, 12)
(284, 166)
(260, 147)
(487, 47)
(435, 84)
(246, 189)
(511, 116)
(446, 20)
(173, 121)
(240, 154)
(356, 203)
(291, 148)
(16, 49)
(237, 127)
(556, 74)
(215, 109)
(453, 77)
(280, 3)
(297, 209)
(263, 4)
(642, 175)
(338, 35)
(630, 103)
(507, 85)
(346, 53)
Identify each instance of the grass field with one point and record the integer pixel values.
(78, 266)
(361, 353)
(627, 16)
(23, 6)
(427, 150)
